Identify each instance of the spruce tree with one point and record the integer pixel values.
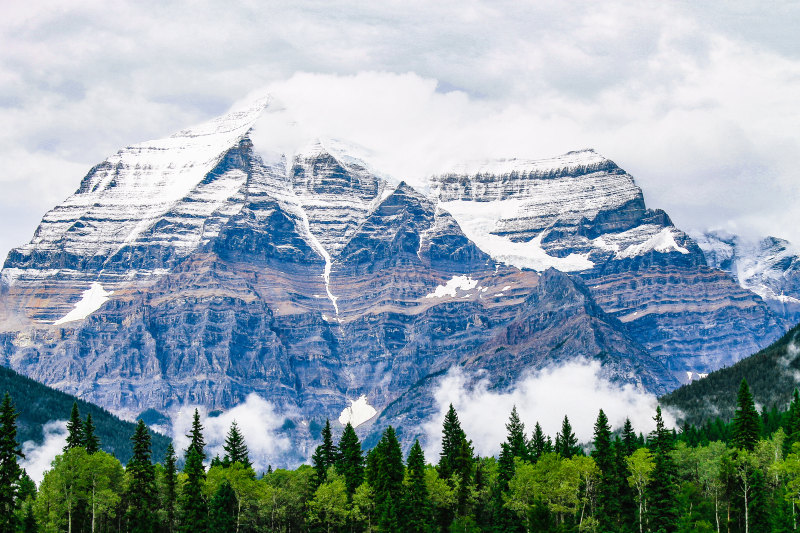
(222, 510)
(29, 524)
(608, 483)
(792, 426)
(141, 493)
(385, 476)
(10, 471)
(746, 422)
(90, 441)
(539, 444)
(515, 436)
(456, 461)
(566, 443)
(170, 489)
(629, 440)
(350, 462)
(324, 456)
(663, 483)
(74, 429)
(417, 512)
(235, 447)
(193, 504)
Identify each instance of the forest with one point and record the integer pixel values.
(737, 476)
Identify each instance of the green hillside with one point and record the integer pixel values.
(773, 374)
(39, 404)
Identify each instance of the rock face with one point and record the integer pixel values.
(581, 213)
(769, 267)
(191, 270)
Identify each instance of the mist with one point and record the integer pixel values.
(38, 457)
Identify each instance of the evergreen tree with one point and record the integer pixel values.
(170, 489)
(385, 476)
(629, 440)
(222, 510)
(235, 447)
(27, 487)
(515, 436)
(746, 422)
(74, 429)
(759, 515)
(539, 444)
(566, 443)
(417, 515)
(141, 493)
(10, 471)
(608, 483)
(452, 435)
(29, 522)
(90, 441)
(192, 502)
(350, 462)
(663, 486)
(324, 456)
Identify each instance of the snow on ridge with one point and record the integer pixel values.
(457, 283)
(358, 412)
(662, 242)
(93, 298)
(500, 167)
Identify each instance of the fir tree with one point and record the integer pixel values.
(608, 482)
(385, 476)
(350, 462)
(10, 471)
(90, 441)
(193, 504)
(222, 510)
(629, 440)
(515, 436)
(235, 447)
(170, 489)
(566, 443)
(29, 524)
(539, 444)
(141, 493)
(324, 456)
(417, 514)
(746, 422)
(663, 484)
(452, 435)
(74, 429)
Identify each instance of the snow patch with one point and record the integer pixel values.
(662, 242)
(93, 298)
(463, 283)
(359, 412)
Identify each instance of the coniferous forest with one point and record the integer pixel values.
(736, 476)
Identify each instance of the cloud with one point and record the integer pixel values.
(576, 389)
(697, 102)
(38, 457)
(258, 421)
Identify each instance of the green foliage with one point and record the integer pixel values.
(663, 487)
(235, 447)
(350, 462)
(74, 429)
(746, 423)
(90, 440)
(417, 512)
(325, 455)
(10, 472)
(192, 502)
(141, 494)
(385, 476)
(566, 442)
(170, 491)
(222, 510)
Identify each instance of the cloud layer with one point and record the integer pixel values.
(38, 457)
(698, 102)
(576, 389)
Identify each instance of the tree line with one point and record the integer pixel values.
(621, 481)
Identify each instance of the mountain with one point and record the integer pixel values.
(769, 267)
(583, 214)
(772, 374)
(198, 270)
(38, 404)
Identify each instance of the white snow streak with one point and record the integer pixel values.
(359, 412)
(463, 283)
(663, 242)
(93, 298)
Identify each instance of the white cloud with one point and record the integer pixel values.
(697, 102)
(258, 422)
(576, 389)
(38, 457)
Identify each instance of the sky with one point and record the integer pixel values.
(697, 100)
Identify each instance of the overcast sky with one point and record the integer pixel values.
(700, 104)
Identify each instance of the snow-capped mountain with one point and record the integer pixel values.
(194, 270)
(769, 267)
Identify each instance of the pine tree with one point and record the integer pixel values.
(193, 504)
(74, 429)
(566, 443)
(324, 456)
(10, 471)
(515, 436)
(350, 462)
(90, 441)
(539, 444)
(746, 422)
(663, 484)
(235, 447)
(456, 461)
(385, 476)
(629, 440)
(170, 488)
(417, 515)
(222, 510)
(608, 482)
(141, 493)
